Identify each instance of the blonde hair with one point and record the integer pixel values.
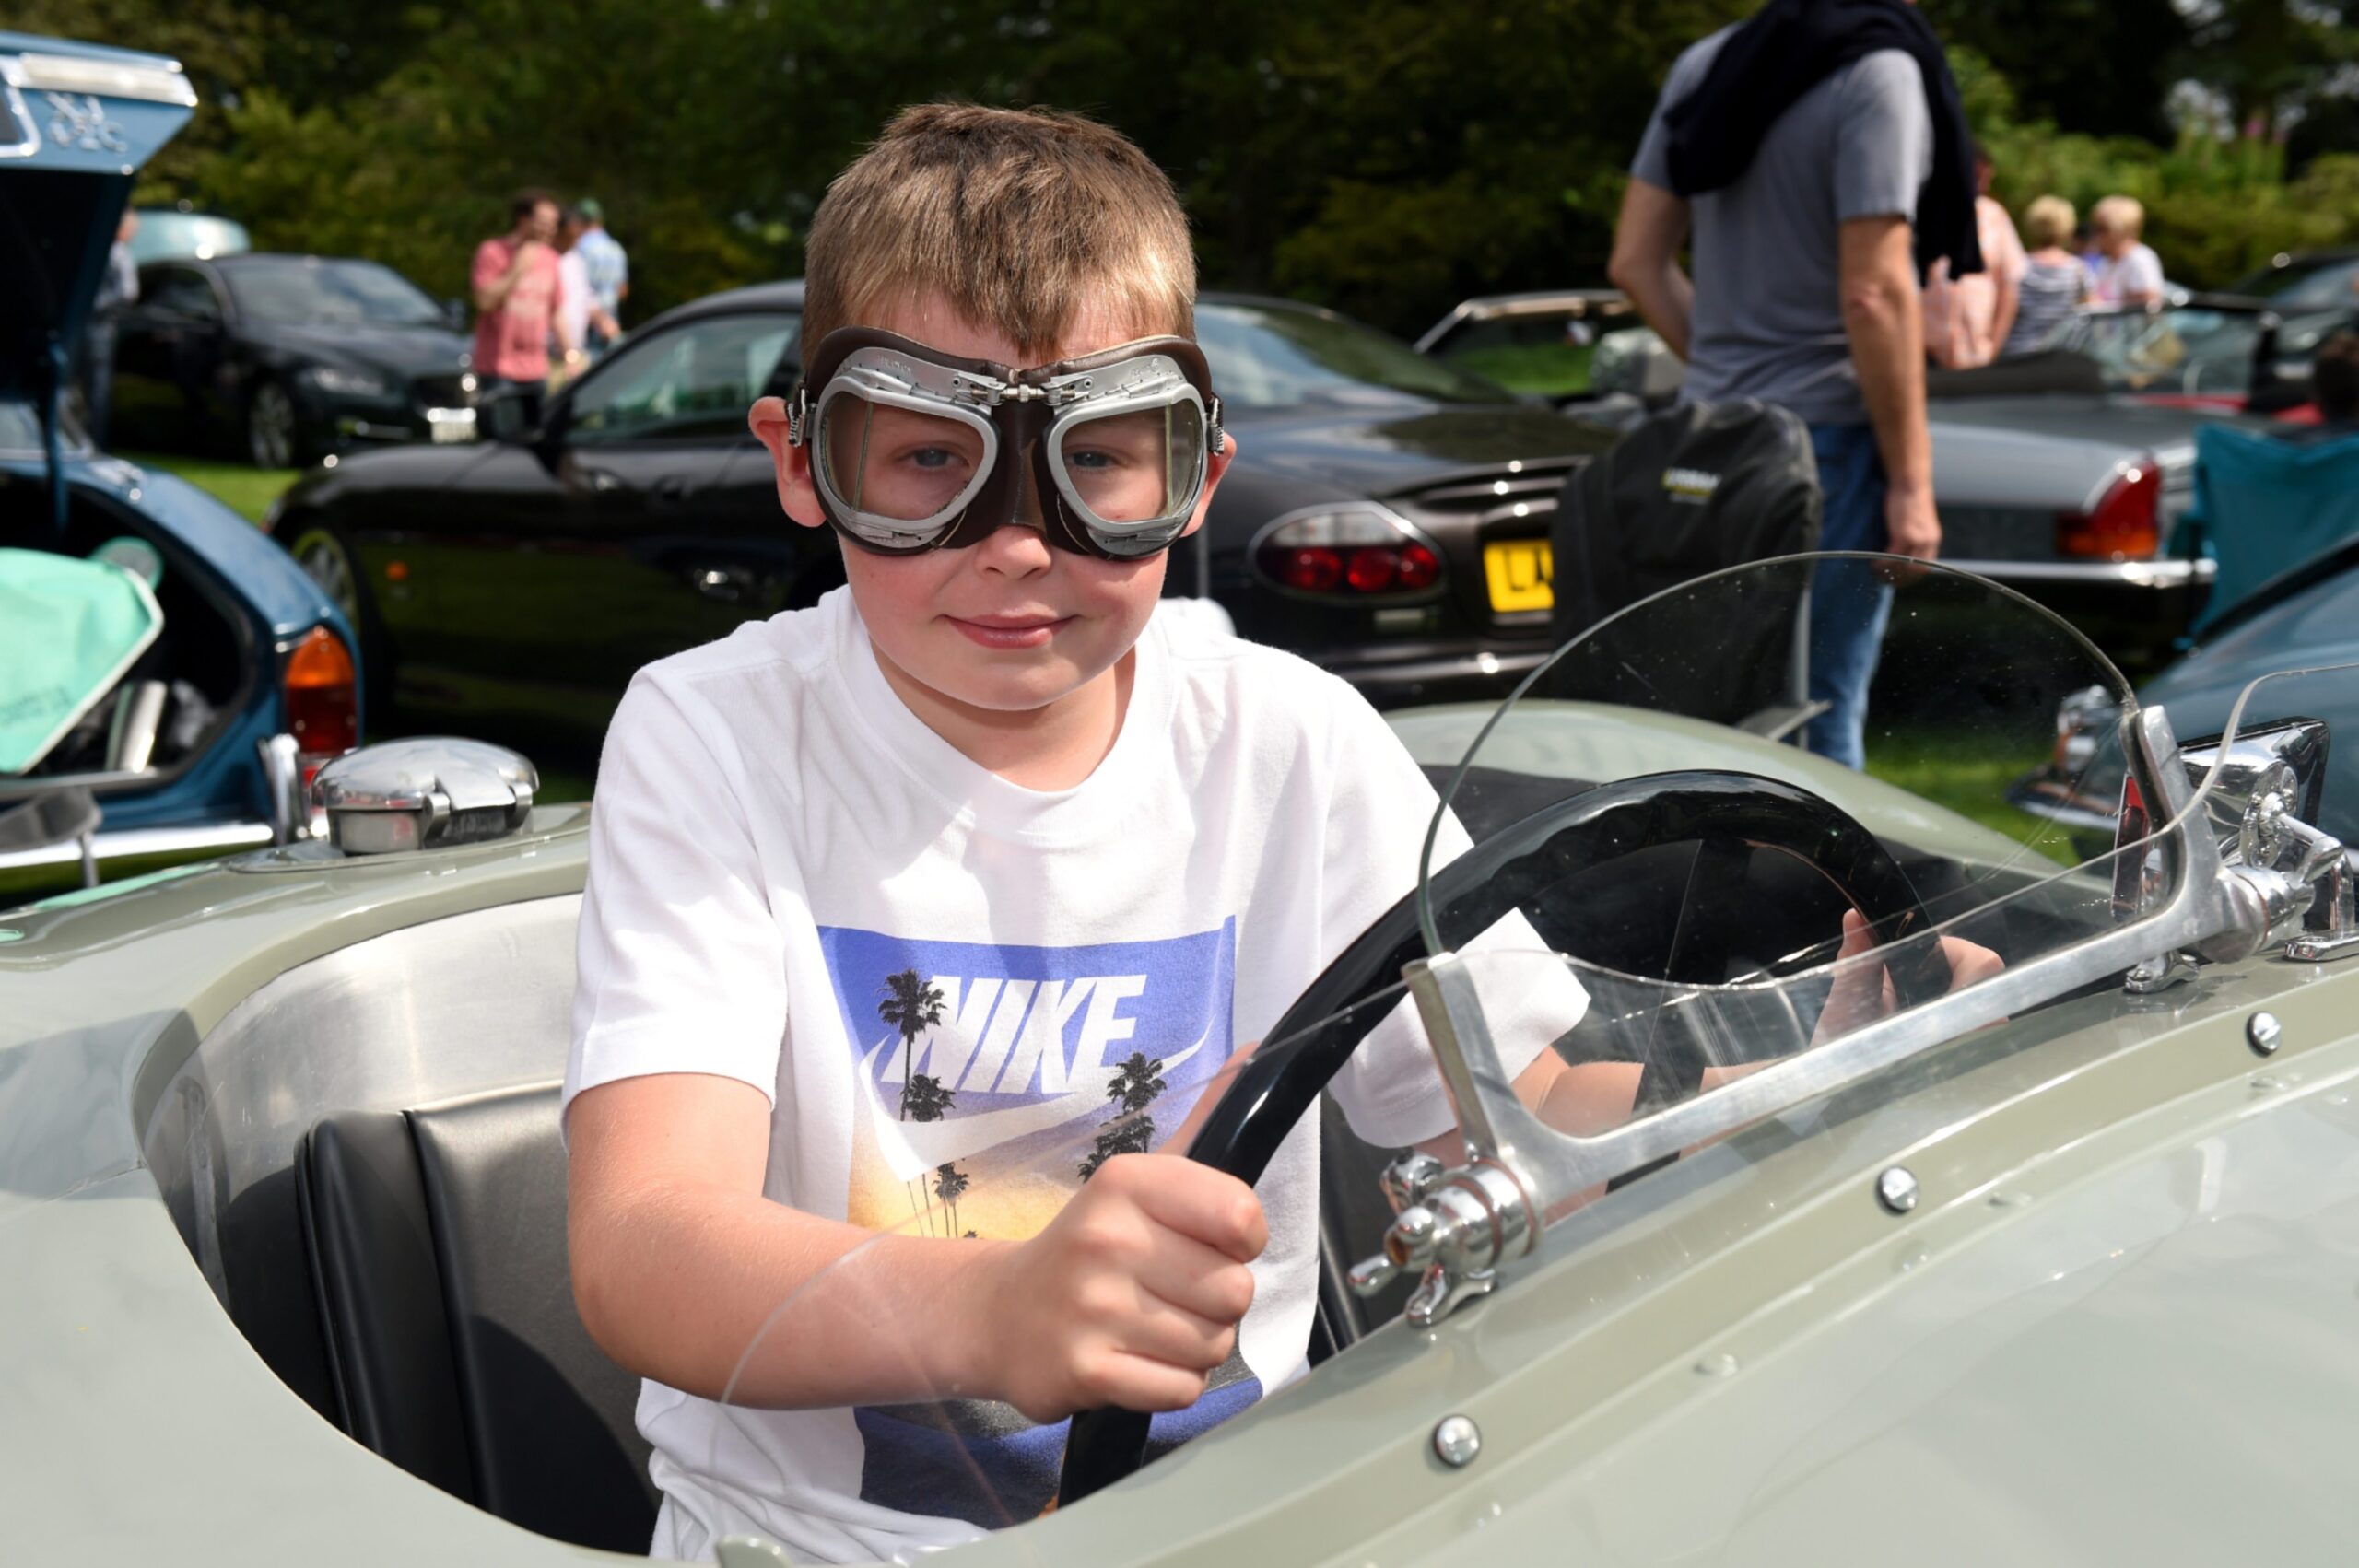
(1022, 218)
(2120, 214)
(2048, 222)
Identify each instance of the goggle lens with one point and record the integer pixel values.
(896, 462)
(1139, 466)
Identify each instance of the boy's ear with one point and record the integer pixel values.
(1214, 468)
(796, 493)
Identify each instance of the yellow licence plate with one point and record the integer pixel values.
(1519, 570)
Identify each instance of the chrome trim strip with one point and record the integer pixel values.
(2132, 574)
(217, 839)
(107, 79)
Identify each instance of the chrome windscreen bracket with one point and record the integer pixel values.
(1453, 1226)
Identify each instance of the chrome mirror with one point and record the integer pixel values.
(423, 794)
(2265, 795)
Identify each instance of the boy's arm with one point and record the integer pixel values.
(1130, 1297)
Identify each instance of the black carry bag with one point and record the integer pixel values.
(1689, 491)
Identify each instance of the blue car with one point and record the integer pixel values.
(230, 675)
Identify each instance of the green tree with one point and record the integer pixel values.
(2096, 67)
(2270, 60)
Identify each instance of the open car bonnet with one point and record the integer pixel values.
(76, 121)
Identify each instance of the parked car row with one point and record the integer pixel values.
(2066, 475)
(1373, 496)
(1388, 517)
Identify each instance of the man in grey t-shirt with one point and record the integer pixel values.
(1805, 294)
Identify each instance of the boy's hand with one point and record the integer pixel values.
(1862, 993)
(1133, 1293)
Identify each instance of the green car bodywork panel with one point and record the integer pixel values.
(2117, 1325)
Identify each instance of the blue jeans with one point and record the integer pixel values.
(1848, 603)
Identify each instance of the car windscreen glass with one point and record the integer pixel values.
(1550, 352)
(306, 291)
(2304, 284)
(180, 291)
(2190, 349)
(1272, 356)
(693, 382)
(166, 233)
(985, 1105)
(1730, 905)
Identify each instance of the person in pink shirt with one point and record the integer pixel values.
(517, 291)
(1967, 319)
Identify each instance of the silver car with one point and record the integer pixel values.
(2067, 475)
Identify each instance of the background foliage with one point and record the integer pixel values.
(1382, 155)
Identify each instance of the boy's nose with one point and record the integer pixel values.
(1022, 545)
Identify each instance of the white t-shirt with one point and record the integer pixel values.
(784, 859)
(2136, 271)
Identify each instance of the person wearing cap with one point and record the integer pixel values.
(608, 266)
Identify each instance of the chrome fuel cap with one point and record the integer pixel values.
(423, 793)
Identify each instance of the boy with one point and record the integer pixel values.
(945, 873)
(2128, 274)
(940, 855)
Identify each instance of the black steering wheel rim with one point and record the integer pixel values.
(1327, 1022)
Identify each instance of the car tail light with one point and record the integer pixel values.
(323, 699)
(2126, 525)
(1356, 554)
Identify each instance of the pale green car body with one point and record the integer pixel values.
(2117, 1327)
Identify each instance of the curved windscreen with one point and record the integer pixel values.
(309, 291)
(1641, 820)
(1281, 356)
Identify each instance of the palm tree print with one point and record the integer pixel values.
(1135, 1082)
(924, 1099)
(1132, 1086)
(949, 1183)
(912, 1006)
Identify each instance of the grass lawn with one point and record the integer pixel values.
(1965, 774)
(246, 491)
(1553, 370)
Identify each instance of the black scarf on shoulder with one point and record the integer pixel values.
(1788, 47)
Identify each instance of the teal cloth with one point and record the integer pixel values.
(70, 629)
(2264, 506)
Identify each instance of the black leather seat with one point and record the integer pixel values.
(437, 1247)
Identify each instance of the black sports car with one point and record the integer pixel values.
(1387, 516)
(295, 357)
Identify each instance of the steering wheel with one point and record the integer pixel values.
(1723, 812)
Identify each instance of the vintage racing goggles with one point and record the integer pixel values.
(912, 449)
